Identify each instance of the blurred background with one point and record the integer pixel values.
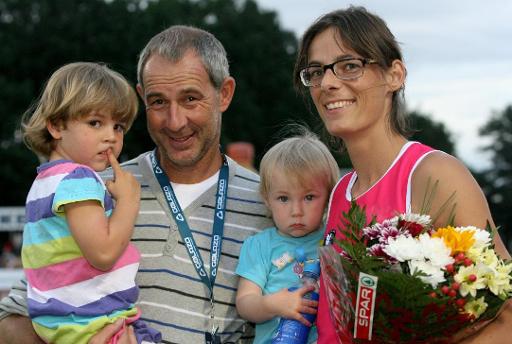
(38, 36)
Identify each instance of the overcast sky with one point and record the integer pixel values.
(458, 56)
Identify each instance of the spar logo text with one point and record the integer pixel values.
(365, 303)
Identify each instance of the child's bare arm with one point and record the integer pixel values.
(256, 307)
(102, 240)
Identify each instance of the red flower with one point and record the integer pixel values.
(412, 227)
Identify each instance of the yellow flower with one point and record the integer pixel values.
(476, 307)
(457, 241)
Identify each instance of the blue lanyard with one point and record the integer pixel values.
(184, 228)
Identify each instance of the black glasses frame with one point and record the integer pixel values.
(364, 61)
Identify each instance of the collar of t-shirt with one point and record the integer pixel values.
(188, 193)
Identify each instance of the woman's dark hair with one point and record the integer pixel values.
(366, 34)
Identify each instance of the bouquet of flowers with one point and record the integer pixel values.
(404, 281)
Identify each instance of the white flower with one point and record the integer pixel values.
(476, 307)
(482, 237)
(475, 254)
(434, 274)
(423, 220)
(403, 248)
(435, 251)
(487, 257)
(471, 278)
(499, 280)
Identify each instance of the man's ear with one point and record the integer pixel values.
(395, 75)
(140, 91)
(55, 129)
(227, 89)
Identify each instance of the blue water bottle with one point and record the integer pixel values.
(291, 331)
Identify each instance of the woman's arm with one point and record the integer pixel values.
(471, 207)
(256, 307)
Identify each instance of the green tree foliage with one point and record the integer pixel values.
(430, 132)
(38, 36)
(497, 180)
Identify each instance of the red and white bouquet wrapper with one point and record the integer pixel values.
(338, 291)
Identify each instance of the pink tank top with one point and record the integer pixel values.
(390, 195)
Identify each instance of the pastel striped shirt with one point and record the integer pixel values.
(172, 298)
(68, 299)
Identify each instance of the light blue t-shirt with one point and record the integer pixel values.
(268, 259)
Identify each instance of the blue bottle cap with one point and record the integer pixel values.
(312, 267)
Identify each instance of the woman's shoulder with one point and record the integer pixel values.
(440, 165)
(446, 183)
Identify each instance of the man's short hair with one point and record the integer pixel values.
(177, 40)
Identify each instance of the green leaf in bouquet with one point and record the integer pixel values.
(407, 313)
(353, 244)
(353, 222)
(355, 219)
(488, 228)
(407, 309)
(494, 304)
(428, 198)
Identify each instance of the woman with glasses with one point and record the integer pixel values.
(352, 68)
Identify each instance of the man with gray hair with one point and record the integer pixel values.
(197, 205)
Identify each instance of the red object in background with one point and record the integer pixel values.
(242, 153)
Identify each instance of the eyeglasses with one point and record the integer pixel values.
(348, 68)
